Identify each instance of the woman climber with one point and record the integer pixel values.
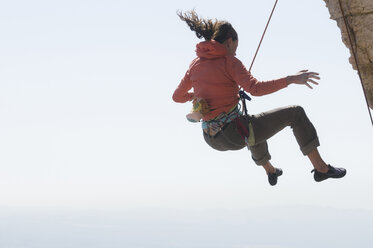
(216, 75)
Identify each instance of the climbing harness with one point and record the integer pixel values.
(215, 126)
(355, 58)
(242, 94)
(212, 127)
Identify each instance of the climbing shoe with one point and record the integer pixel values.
(272, 177)
(332, 173)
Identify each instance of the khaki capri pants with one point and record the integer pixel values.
(263, 126)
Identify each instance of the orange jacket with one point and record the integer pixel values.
(216, 77)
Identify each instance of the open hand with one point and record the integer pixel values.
(304, 77)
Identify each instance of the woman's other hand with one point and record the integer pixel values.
(304, 77)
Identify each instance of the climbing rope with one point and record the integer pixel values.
(355, 58)
(243, 95)
(264, 32)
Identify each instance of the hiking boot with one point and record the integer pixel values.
(332, 173)
(272, 177)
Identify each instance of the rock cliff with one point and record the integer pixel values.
(359, 16)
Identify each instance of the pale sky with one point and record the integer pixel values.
(87, 120)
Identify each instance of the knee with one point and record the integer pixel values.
(299, 111)
(299, 114)
(298, 108)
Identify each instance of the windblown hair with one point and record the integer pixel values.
(208, 29)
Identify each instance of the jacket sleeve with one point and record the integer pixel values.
(250, 84)
(182, 93)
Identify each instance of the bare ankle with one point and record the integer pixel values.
(269, 168)
(323, 169)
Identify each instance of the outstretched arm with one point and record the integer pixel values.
(250, 84)
(259, 88)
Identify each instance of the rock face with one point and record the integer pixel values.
(359, 16)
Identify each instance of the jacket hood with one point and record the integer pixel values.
(210, 50)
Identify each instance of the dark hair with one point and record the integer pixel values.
(207, 28)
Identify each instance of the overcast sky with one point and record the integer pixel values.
(87, 122)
